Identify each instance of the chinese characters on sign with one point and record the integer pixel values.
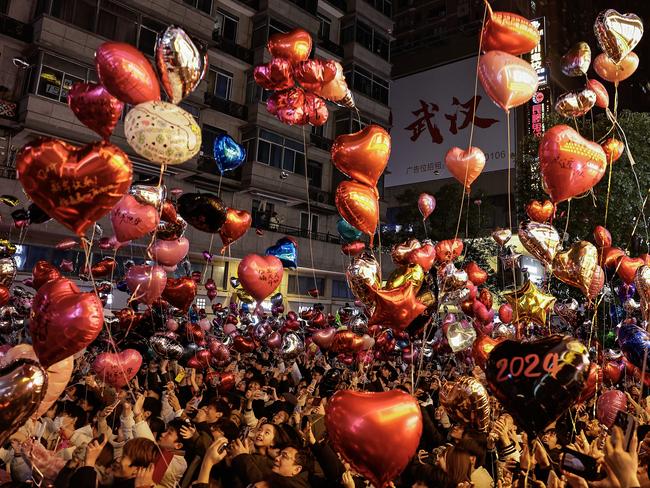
(539, 106)
(538, 55)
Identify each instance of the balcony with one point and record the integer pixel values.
(322, 197)
(310, 6)
(339, 4)
(227, 107)
(330, 46)
(260, 221)
(235, 50)
(16, 29)
(254, 4)
(8, 110)
(320, 142)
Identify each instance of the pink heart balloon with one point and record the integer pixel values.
(508, 80)
(132, 219)
(169, 253)
(146, 282)
(260, 275)
(274, 340)
(117, 369)
(324, 338)
(95, 107)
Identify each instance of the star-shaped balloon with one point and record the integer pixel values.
(529, 303)
(396, 308)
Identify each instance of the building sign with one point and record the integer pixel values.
(540, 105)
(537, 57)
(433, 112)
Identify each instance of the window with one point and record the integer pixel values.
(367, 83)
(193, 110)
(4, 6)
(261, 213)
(347, 123)
(304, 219)
(220, 83)
(78, 12)
(254, 92)
(340, 289)
(202, 5)
(149, 31)
(386, 6)
(315, 173)
(367, 36)
(300, 285)
(281, 152)
(325, 27)
(275, 26)
(117, 22)
(56, 77)
(200, 303)
(208, 135)
(225, 26)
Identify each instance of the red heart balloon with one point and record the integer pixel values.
(540, 212)
(425, 256)
(274, 75)
(505, 313)
(602, 236)
(508, 80)
(324, 338)
(146, 282)
(482, 348)
(508, 32)
(475, 273)
(448, 250)
(169, 253)
(75, 185)
(168, 212)
(5, 295)
(63, 320)
(602, 97)
(180, 292)
(44, 272)
(132, 219)
(358, 204)
(570, 164)
(126, 73)
(465, 165)
(288, 106)
(313, 73)
(353, 248)
(103, 268)
(609, 256)
(117, 369)
(294, 46)
(361, 425)
(613, 149)
(243, 344)
(95, 107)
(260, 275)
(363, 155)
(237, 224)
(626, 268)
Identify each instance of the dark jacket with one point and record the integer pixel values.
(251, 468)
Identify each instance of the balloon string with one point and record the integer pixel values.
(509, 171)
(575, 123)
(568, 214)
(609, 187)
(219, 189)
(309, 215)
(159, 209)
(209, 260)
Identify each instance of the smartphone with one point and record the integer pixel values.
(316, 402)
(577, 463)
(628, 425)
(244, 433)
(37, 476)
(223, 448)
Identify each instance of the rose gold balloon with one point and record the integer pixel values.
(312, 73)
(642, 283)
(602, 97)
(236, 225)
(294, 46)
(363, 155)
(274, 75)
(602, 236)
(132, 220)
(260, 275)
(400, 252)
(44, 272)
(95, 107)
(508, 80)
(180, 292)
(540, 212)
(578, 266)
(467, 401)
(146, 282)
(117, 369)
(612, 72)
(336, 90)
(169, 253)
(358, 204)
(465, 165)
(613, 149)
(508, 32)
(426, 204)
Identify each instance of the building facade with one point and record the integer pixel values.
(47, 45)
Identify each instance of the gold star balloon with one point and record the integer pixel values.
(529, 303)
(396, 308)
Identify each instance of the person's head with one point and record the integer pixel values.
(73, 417)
(265, 436)
(290, 462)
(198, 379)
(216, 409)
(254, 384)
(224, 428)
(151, 408)
(456, 432)
(280, 417)
(458, 466)
(157, 426)
(137, 453)
(549, 437)
(317, 373)
(88, 400)
(105, 458)
(476, 445)
(171, 438)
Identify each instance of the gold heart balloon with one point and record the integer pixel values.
(411, 273)
(574, 104)
(540, 240)
(501, 236)
(578, 266)
(642, 283)
(364, 278)
(577, 60)
(618, 33)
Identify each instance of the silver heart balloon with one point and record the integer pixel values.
(165, 347)
(8, 270)
(618, 34)
(292, 346)
(148, 194)
(577, 60)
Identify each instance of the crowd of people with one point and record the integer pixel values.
(172, 427)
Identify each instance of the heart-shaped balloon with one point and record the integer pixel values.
(467, 401)
(180, 292)
(602, 97)
(169, 253)
(448, 250)
(243, 344)
(634, 342)
(626, 267)
(540, 240)
(642, 283)
(362, 155)
(617, 34)
(132, 220)
(424, 256)
(146, 194)
(353, 248)
(602, 236)
(613, 149)
(335, 90)
(166, 347)
(578, 266)
(43, 272)
(400, 252)
(577, 60)
(126, 73)
(575, 104)
(615, 73)
(358, 204)
(275, 75)
(260, 275)
(286, 251)
(74, 185)
(95, 107)
(294, 46)
(103, 267)
(568, 311)
(228, 155)
(465, 165)
(324, 338)
(537, 381)
(203, 211)
(501, 236)
(23, 384)
(361, 424)
(236, 225)
(569, 163)
(540, 212)
(364, 277)
(510, 33)
(508, 80)
(347, 232)
(475, 273)
(117, 369)
(146, 282)
(63, 320)
(609, 256)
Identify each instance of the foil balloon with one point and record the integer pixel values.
(146, 282)
(165, 347)
(361, 424)
(426, 205)
(642, 283)
(602, 236)
(529, 303)
(275, 75)
(602, 97)
(162, 132)
(508, 80)
(286, 251)
(169, 231)
(335, 90)
(364, 278)
(180, 63)
(228, 155)
(347, 232)
(292, 346)
(467, 401)
(450, 278)
(312, 73)
(410, 273)
(353, 248)
(608, 405)
(578, 266)
(117, 368)
(236, 225)
(7, 249)
(501, 236)
(617, 34)
(510, 33)
(63, 320)
(180, 292)
(609, 257)
(448, 250)
(626, 267)
(540, 212)
(577, 60)
(95, 107)
(465, 165)
(358, 204)
(634, 343)
(260, 275)
(575, 104)
(424, 255)
(324, 338)
(204, 211)
(169, 253)
(613, 149)
(294, 46)
(152, 195)
(8, 270)
(42, 273)
(482, 348)
(567, 311)
(475, 273)
(74, 185)
(540, 240)
(132, 220)
(460, 335)
(615, 73)
(23, 384)
(538, 381)
(396, 308)
(126, 73)
(362, 155)
(9, 200)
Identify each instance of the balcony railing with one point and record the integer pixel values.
(330, 46)
(235, 50)
(254, 4)
(8, 110)
(15, 28)
(321, 142)
(316, 195)
(340, 4)
(262, 222)
(228, 107)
